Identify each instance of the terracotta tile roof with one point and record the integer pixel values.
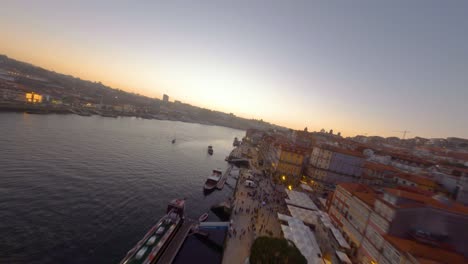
(368, 198)
(415, 190)
(458, 155)
(463, 170)
(422, 200)
(361, 191)
(353, 187)
(425, 252)
(343, 151)
(417, 179)
(427, 261)
(294, 149)
(408, 157)
(379, 166)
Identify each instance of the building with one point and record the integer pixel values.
(415, 181)
(350, 209)
(302, 138)
(254, 136)
(399, 250)
(329, 165)
(165, 98)
(33, 98)
(128, 108)
(419, 218)
(377, 173)
(409, 163)
(461, 191)
(376, 223)
(288, 162)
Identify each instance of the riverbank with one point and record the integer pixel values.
(253, 215)
(199, 116)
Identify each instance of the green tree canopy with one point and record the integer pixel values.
(269, 250)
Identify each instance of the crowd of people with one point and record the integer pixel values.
(261, 203)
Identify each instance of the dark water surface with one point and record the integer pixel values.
(85, 189)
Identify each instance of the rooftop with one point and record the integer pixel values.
(300, 199)
(424, 252)
(355, 187)
(379, 166)
(342, 150)
(420, 180)
(420, 199)
(306, 216)
(368, 198)
(302, 237)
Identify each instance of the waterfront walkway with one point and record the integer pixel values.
(254, 214)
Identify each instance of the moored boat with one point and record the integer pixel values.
(37, 112)
(213, 180)
(210, 150)
(150, 248)
(203, 217)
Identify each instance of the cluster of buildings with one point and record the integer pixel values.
(392, 203)
(399, 225)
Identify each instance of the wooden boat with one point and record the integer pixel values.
(203, 217)
(210, 150)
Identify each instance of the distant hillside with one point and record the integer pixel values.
(76, 91)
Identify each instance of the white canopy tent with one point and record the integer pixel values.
(306, 187)
(300, 199)
(303, 238)
(343, 257)
(305, 215)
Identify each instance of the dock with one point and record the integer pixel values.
(223, 179)
(175, 244)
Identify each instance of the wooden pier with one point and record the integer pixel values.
(174, 246)
(223, 179)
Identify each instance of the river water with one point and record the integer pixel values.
(79, 189)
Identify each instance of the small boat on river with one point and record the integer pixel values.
(210, 150)
(203, 217)
(212, 180)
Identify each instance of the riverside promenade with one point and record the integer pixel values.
(254, 214)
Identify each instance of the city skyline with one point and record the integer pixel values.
(293, 65)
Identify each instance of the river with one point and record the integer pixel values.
(79, 189)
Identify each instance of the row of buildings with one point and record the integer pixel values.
(399, 225)
(392, 205)
(323, 160)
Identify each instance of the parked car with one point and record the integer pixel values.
(251, 184)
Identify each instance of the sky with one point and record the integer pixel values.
(358, 67)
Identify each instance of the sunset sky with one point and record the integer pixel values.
(359, 67)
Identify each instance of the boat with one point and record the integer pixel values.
(150, 248)
(213, 180)
(37, 112)
(203, 217)
(236, 142)
(109, 114)
(210, 150)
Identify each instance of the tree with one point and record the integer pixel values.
(269, 250)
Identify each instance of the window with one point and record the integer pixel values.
(391, 254)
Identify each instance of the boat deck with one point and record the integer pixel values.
(171, 251)
(151, 248)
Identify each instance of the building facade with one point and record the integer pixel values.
(399, 226)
